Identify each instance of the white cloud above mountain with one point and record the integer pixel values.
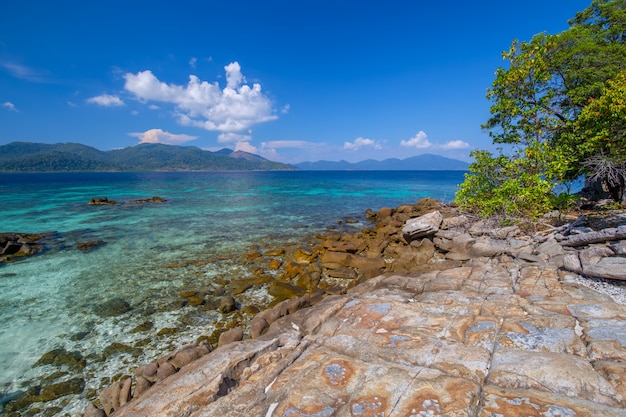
(234, 108)
(420, 141)
(360, 143)
(161, 136)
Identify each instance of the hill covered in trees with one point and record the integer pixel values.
(39, 157)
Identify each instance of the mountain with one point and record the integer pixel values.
(39, 157)
(426, 162)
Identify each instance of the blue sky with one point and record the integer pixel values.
(289, 80)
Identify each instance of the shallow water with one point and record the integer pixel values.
(51, 300)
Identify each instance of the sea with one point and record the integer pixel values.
(147, 254)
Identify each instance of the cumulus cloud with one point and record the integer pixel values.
(9, 106)
(246, 147)
(360, 143)
(455, 144)
(419, 141)
(233, 137)
(234, 108)
(106, 100)
(160, 136)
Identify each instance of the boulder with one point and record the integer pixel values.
(426, 225)
(230, 336)
(227, 305)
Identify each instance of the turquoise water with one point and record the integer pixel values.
(50, 301)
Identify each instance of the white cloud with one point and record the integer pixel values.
(160, 136)
(297, 144)
(361, 143)
(25, 73)
(9, 106)
(193, 61)
(153, 107)
(106, 100)
(285, 109)
(419, 141)
(199, 103)
(232, 137)
(246, 147)
(455, 144)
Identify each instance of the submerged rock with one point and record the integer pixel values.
(111, 308)
(98, 201)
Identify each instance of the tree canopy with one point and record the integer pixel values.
(557, 112)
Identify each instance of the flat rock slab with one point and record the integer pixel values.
(492, 338)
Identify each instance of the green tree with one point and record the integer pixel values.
(536, 102)
(600, 133)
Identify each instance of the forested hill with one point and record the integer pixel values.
(39, 157)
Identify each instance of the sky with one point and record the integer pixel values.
(291, 81)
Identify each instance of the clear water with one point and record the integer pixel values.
(49, 301)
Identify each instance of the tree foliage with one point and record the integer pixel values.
(556, 108)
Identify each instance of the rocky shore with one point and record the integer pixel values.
(428, 312)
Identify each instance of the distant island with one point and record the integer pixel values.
(425, 162)
(75, 157)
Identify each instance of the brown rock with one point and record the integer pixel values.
(275, 252)
(258, 326)
(141, 386)
(165, 369)
(227, 305)
(275, 264)
(93, 411)
(385, 212)
(230, 336)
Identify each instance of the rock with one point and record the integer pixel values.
(426, 225)
(62, 358)
(385, 212)
(93, 411)
(112, 308)
(156, 200)
(282, 290)
(258, 326)
(460, 247)
(488, 247)
(110, 397)
(455, 222)
(96, 201)
(607, 268)
(61, 389)
(275, 252)
(230, 336)
(89, 245)
(141, 386)
(227, 305)
(188, 354)
(165, 369)
(507, 337)
(619, 248)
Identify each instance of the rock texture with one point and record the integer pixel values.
(493, 337)
(423, 315)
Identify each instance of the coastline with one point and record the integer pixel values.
(323, 263)
(286, 312)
